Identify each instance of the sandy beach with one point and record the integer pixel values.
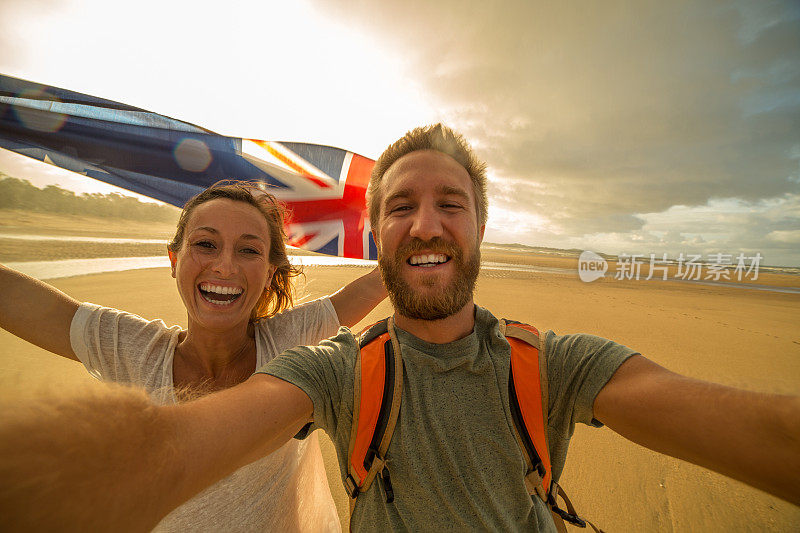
(744, 338)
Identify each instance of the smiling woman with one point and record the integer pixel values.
(229, 261)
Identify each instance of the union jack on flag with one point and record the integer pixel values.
(171, 160)
(325, 195)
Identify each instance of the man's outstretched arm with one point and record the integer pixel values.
(748, 436)
(114, 461)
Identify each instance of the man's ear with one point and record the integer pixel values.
(173, 259)
(481, 231)
(377, 243)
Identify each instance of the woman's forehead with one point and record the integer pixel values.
(229, 215)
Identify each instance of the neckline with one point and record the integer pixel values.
(459, 348)
(169, 363)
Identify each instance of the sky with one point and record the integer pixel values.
(619, 127)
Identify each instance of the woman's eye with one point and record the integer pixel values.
(205, 244)
(250, 251)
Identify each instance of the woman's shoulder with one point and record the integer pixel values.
(304, 325)
(319, 310)
(90, 315)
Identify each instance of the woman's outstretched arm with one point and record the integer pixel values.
(353, 301)
(110, 460)
(36, 312)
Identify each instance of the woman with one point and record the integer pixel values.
(228, 258)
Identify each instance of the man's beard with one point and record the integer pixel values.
(449, 299)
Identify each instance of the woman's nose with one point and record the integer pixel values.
(224, 264)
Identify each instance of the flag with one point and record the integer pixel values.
(170, 160)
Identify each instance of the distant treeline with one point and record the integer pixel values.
(20, 194)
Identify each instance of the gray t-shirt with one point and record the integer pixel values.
(453, 459)
(285, 491)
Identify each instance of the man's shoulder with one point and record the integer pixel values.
(344, 341)
(372, 332)
(335, 354)
(486, 318)
(490, 323)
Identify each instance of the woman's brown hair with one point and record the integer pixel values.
(278, 296)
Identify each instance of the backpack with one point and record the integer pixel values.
(378, 385)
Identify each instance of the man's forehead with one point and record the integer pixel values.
(421, 158)
(428, 169)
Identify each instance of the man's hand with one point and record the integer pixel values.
(748, 436)
(110, 460)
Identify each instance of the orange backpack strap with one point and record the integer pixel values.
(529, 401)
(377, 386)
(527, 392)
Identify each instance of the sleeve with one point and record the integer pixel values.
(578, 366)
(324, 372)
(117, 346)
(302, 325)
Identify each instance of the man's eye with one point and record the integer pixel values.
(399, 208)
(250, 251)
(451, 206)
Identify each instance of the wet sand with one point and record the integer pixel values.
(744, 338)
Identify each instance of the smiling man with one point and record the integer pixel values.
(429, 235)
(454, 460)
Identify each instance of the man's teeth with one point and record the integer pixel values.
(427, 259)
(208, 287)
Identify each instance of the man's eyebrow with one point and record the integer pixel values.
(443, 190)
(397, 195)
(447, 190)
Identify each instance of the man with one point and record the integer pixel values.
(453, 460)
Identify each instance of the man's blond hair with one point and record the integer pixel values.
(436, 137)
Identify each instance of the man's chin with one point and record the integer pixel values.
(433, 303)
(431, 286)
(430, 295)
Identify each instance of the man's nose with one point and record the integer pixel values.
(426, 224)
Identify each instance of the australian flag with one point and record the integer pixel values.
(171, 160)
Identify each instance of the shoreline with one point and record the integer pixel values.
(65, 268)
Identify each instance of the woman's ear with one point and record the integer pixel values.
(270, 274)
(173, 259)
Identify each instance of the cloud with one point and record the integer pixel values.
(791, 237)
(12, 34)
(594, 113)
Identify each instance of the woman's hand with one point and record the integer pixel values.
(353, 301)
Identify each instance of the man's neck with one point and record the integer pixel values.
(456, 326)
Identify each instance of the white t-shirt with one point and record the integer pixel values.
(285, 491)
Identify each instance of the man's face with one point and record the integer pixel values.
(428, 237)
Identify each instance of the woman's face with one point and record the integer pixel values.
(223, 265)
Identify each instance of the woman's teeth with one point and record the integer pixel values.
(219, 295)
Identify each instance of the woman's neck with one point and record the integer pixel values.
(215, 360)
